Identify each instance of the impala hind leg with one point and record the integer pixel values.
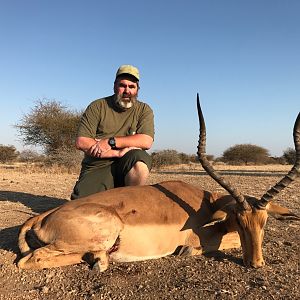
(48, 257)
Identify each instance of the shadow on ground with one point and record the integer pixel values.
(223, 256)
(37, 204)
(9, 239)
(225, 172)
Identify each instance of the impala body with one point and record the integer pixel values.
(145, 222)
(128, 224)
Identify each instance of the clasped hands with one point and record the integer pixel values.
(101, 149)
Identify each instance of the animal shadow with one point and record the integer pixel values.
(223, 256)
(9, 239)
(225, 172)
(37, 204)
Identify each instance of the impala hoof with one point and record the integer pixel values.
(255, 264)
(258, 264)
(99, 267)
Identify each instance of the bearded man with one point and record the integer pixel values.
(114, 133)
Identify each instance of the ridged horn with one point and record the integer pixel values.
(208, 167)
(292, 174)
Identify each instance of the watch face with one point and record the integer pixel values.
(112, 142)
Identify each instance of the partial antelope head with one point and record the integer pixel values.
(249, 215)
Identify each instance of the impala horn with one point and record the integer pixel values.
(208, 167)
(290, 177)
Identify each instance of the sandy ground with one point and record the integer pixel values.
(218, 276)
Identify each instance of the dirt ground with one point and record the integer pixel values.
(220, 275)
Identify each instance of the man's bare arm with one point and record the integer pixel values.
(101, 148)
(139, 140)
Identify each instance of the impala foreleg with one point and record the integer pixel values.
(212, 238)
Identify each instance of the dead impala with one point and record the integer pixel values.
(145, 222)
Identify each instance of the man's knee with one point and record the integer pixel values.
(138, 174)
(140, 168)
(132, 157)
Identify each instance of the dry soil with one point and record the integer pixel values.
(217, 276)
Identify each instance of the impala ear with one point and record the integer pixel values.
(217, 217)
(280, 213)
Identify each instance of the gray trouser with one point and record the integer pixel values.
(95, 180)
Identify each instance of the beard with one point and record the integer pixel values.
(124, 102)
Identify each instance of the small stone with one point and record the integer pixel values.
(45, 289)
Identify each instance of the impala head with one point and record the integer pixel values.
(249, 215)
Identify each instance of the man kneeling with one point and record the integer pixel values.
(114, 133)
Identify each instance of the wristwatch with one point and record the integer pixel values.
(112, 143)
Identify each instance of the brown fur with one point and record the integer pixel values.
(138, 223)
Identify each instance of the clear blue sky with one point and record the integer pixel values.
(243, 57)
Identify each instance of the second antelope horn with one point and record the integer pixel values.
(291, 176)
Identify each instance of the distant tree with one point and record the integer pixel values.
(246, 153)
(8, 153)
(29, 155)
(219, 159)
(194, 158)
(277, 160)
(49, 125)
(289, 155)
(184, 158)
(165, 157)
(172, 157)
(64, 157)
(210, 157)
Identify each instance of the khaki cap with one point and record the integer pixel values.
(128, 69)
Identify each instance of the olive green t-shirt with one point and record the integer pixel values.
(102, 120)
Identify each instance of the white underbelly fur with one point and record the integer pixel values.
(148, 242)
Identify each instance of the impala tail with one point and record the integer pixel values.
(28, 226)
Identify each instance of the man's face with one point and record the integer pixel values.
(126, 92)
